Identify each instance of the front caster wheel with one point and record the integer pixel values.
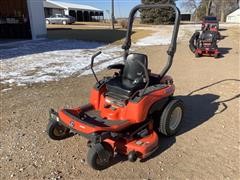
(171, 117)
(132, 156)
(99, 156)
(197, 55)
(56, 131)
(216, 55)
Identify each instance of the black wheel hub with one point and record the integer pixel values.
(59, 130)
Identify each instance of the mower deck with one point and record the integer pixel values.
(144, 146)
(139, 141)
(207, 51)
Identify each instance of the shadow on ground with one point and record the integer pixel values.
(223, 37)
(224, 51)
(99, 35)
(60, 40)
(58, 29)
(222, 29)
(23, 48)
(198, 110)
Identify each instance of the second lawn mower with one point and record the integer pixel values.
(125, 112)
(204, 43)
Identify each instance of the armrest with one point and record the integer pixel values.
(116, 66)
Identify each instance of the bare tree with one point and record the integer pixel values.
(230, 7)
(208, 8)
(190, 4)
(225, 7)
(222, 10)
(219, 8)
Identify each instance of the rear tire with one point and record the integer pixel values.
(171, 118)
(64, 22)
(47, 22)
(56, 131)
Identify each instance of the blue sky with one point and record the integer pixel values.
(122, 7)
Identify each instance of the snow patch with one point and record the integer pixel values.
(5, 90)
(104, 65)
(154, 39)
(52, 60)
(162, 37)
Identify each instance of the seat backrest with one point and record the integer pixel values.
(133, 71)
(207, 36)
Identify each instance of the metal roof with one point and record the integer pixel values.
(48, 4)
(73, 6)
(235, 13)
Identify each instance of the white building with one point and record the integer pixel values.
(79, 11)
(25, 19)
(37, 19)
(234, 17)
(187, 13)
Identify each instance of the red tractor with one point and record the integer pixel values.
(126, 111)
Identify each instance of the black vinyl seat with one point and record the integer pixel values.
(132, 77)
(208, 37)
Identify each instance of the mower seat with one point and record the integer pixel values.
(132, 77)
(208, 39)
(207, 36)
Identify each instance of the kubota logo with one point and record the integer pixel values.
(71, 124)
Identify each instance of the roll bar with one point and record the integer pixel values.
(91, 66)
(173, 45)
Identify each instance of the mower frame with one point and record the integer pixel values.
(161, 96)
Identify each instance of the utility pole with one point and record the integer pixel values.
(113, 18)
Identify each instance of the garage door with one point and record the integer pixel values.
(14, 20)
